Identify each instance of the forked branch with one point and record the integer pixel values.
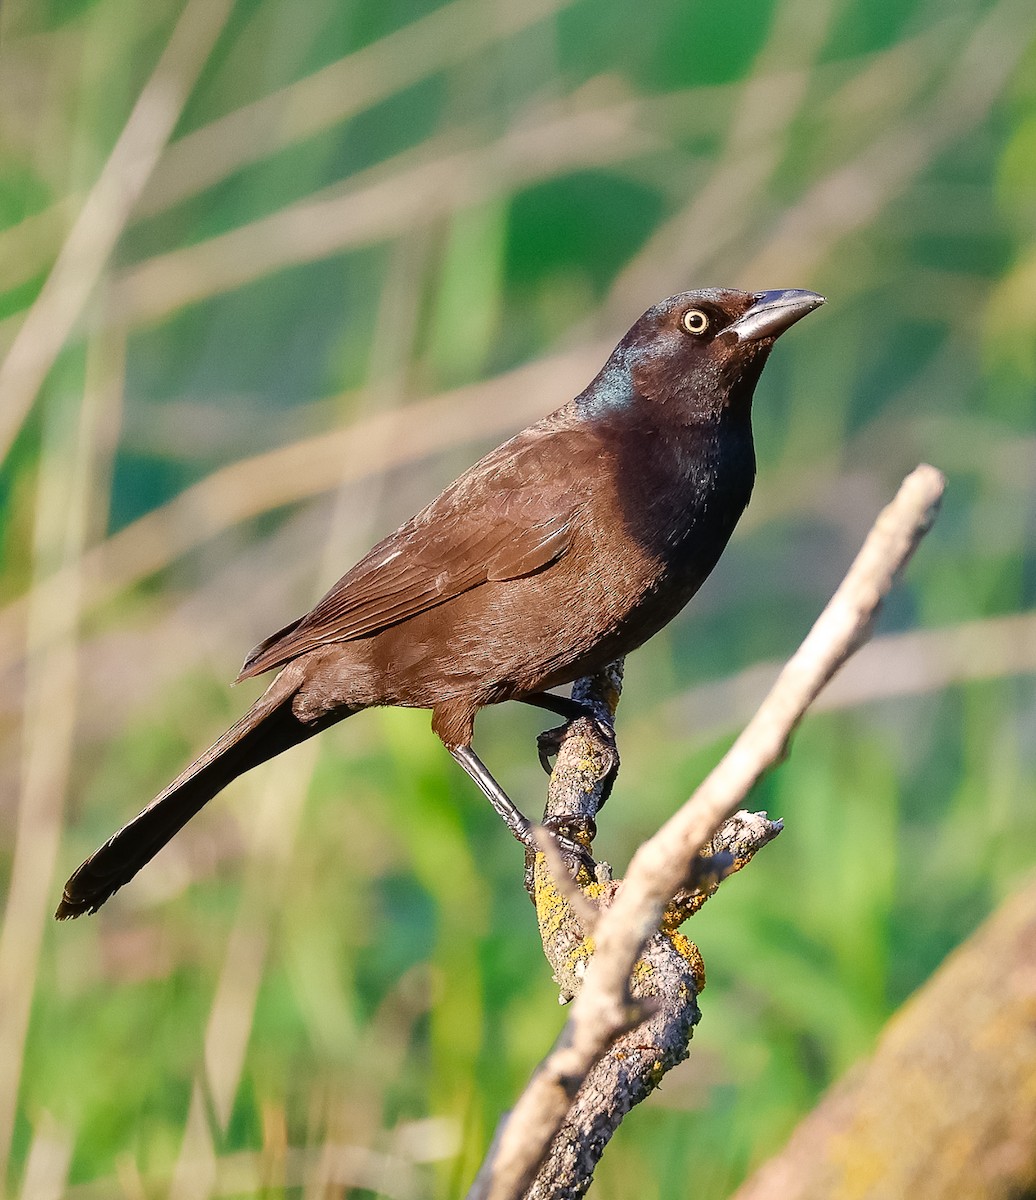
(668, 866)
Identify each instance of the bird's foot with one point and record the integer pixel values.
(572, 838)
(550, 741)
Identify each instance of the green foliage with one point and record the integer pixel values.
(335, 967)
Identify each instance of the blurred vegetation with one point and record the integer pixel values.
(423, 225)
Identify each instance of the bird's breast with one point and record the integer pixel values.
(679, 494)
(660, 522)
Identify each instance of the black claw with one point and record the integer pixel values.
(575, 856)
(573, 849)
(606, 731)
(548, 743)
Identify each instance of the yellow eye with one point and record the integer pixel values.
(695, 321)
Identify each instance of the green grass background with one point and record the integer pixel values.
(385, 219)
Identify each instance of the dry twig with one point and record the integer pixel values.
(669, 974)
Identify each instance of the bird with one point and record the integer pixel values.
(564, 548)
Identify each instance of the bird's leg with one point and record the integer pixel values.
(563, 706)
(549, 741)
(518, 824)
(512, 816)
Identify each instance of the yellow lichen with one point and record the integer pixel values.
(642, 970)
(690, 953)
(655, 1073)
(551, 908)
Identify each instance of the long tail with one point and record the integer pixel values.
(265, 730)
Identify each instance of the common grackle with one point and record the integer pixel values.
(562, 549)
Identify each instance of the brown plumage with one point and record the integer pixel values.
(565, 547)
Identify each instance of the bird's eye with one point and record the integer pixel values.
(695, 321)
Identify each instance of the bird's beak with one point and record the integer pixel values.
(773, 313)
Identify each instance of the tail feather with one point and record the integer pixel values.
(265, 730)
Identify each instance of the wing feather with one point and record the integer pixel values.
(498, 521)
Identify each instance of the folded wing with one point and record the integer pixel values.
(491, 524)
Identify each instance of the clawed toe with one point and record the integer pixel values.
(576, 856)
(605, 731)
(548, 743)
(573, 850)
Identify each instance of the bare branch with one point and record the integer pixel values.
(668, 978)
(567, 908)
(605, 1008)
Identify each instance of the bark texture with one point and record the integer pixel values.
(946, 1108)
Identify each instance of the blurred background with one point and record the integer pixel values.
(272, 273)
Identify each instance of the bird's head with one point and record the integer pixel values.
(703, 350)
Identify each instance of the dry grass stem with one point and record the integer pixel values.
(337, 92)
(851, 197)
(411, 192)
(848, 196)
(755, 147)
(918, 662)
(66, 484)
(105, 211)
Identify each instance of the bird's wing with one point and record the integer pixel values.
(504, 518)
